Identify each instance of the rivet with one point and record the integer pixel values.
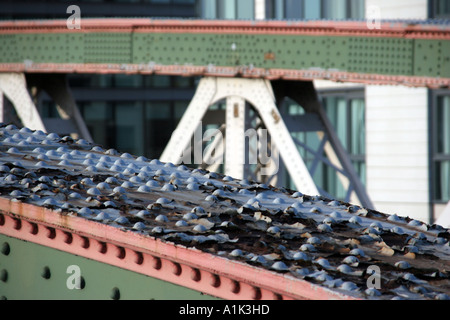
(51, 233)
(102, 247)
(120, 253)
(139, 259)
(176, 269)
(68, 237)
(85, 243)
(3, 275)
(115, 293)
(277, 296)
(82, 282)
(17, 224)
(236, 287)
(215, 281)
(196, 275)
(33, 228)
(157, 263)
(256, 295)
(46, 274)
(5, 248)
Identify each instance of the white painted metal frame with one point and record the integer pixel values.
(14, 87)
(257, 92)
(235, 137)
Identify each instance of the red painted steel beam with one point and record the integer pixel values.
(328, 28)
(177, 264)
(245, 72)
(318, 28)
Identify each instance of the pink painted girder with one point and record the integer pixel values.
(188, 267)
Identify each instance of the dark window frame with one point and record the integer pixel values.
(433, 10)
(348, 94)
(434, 156)
(324, 12)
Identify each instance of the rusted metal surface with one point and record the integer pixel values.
(233, 239)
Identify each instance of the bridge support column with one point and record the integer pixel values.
(235, 137)
(57, 88)
(271, 132)
(14, 87)
(259, 94)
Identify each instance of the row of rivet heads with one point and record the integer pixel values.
(139, 258)
(94, 190)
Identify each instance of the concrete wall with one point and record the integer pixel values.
(397, 150)
(260, 9)
(397, 133)
(400, 9)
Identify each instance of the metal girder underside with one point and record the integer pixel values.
(398, 53)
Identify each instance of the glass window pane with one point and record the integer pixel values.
(336, 108)
(443, 125)
(360, 167)
(184, 1)
(294, 9)
(312, 9)
(227, 9)
(157, 110)
(158, 127)
(129, 130)
(358, 134)
(246, 9)
(440, 9)
(49, 110)
(275, 9)
(357, 9)
(98, 119)
(182, 82)
(179, 109)
(442, 181)
(157, 81)
(209, 9)
(335, 9)
(128, 81)
(279, 9)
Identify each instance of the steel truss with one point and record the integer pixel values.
(16, 87)
(252, 112)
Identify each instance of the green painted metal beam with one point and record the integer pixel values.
(29, 272)
(359, 54)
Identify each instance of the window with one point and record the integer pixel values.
(228, 9)
(315, 9)
(440, 153)
(439, 9)
(346, 112)
(99, 119)
(139, 128)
